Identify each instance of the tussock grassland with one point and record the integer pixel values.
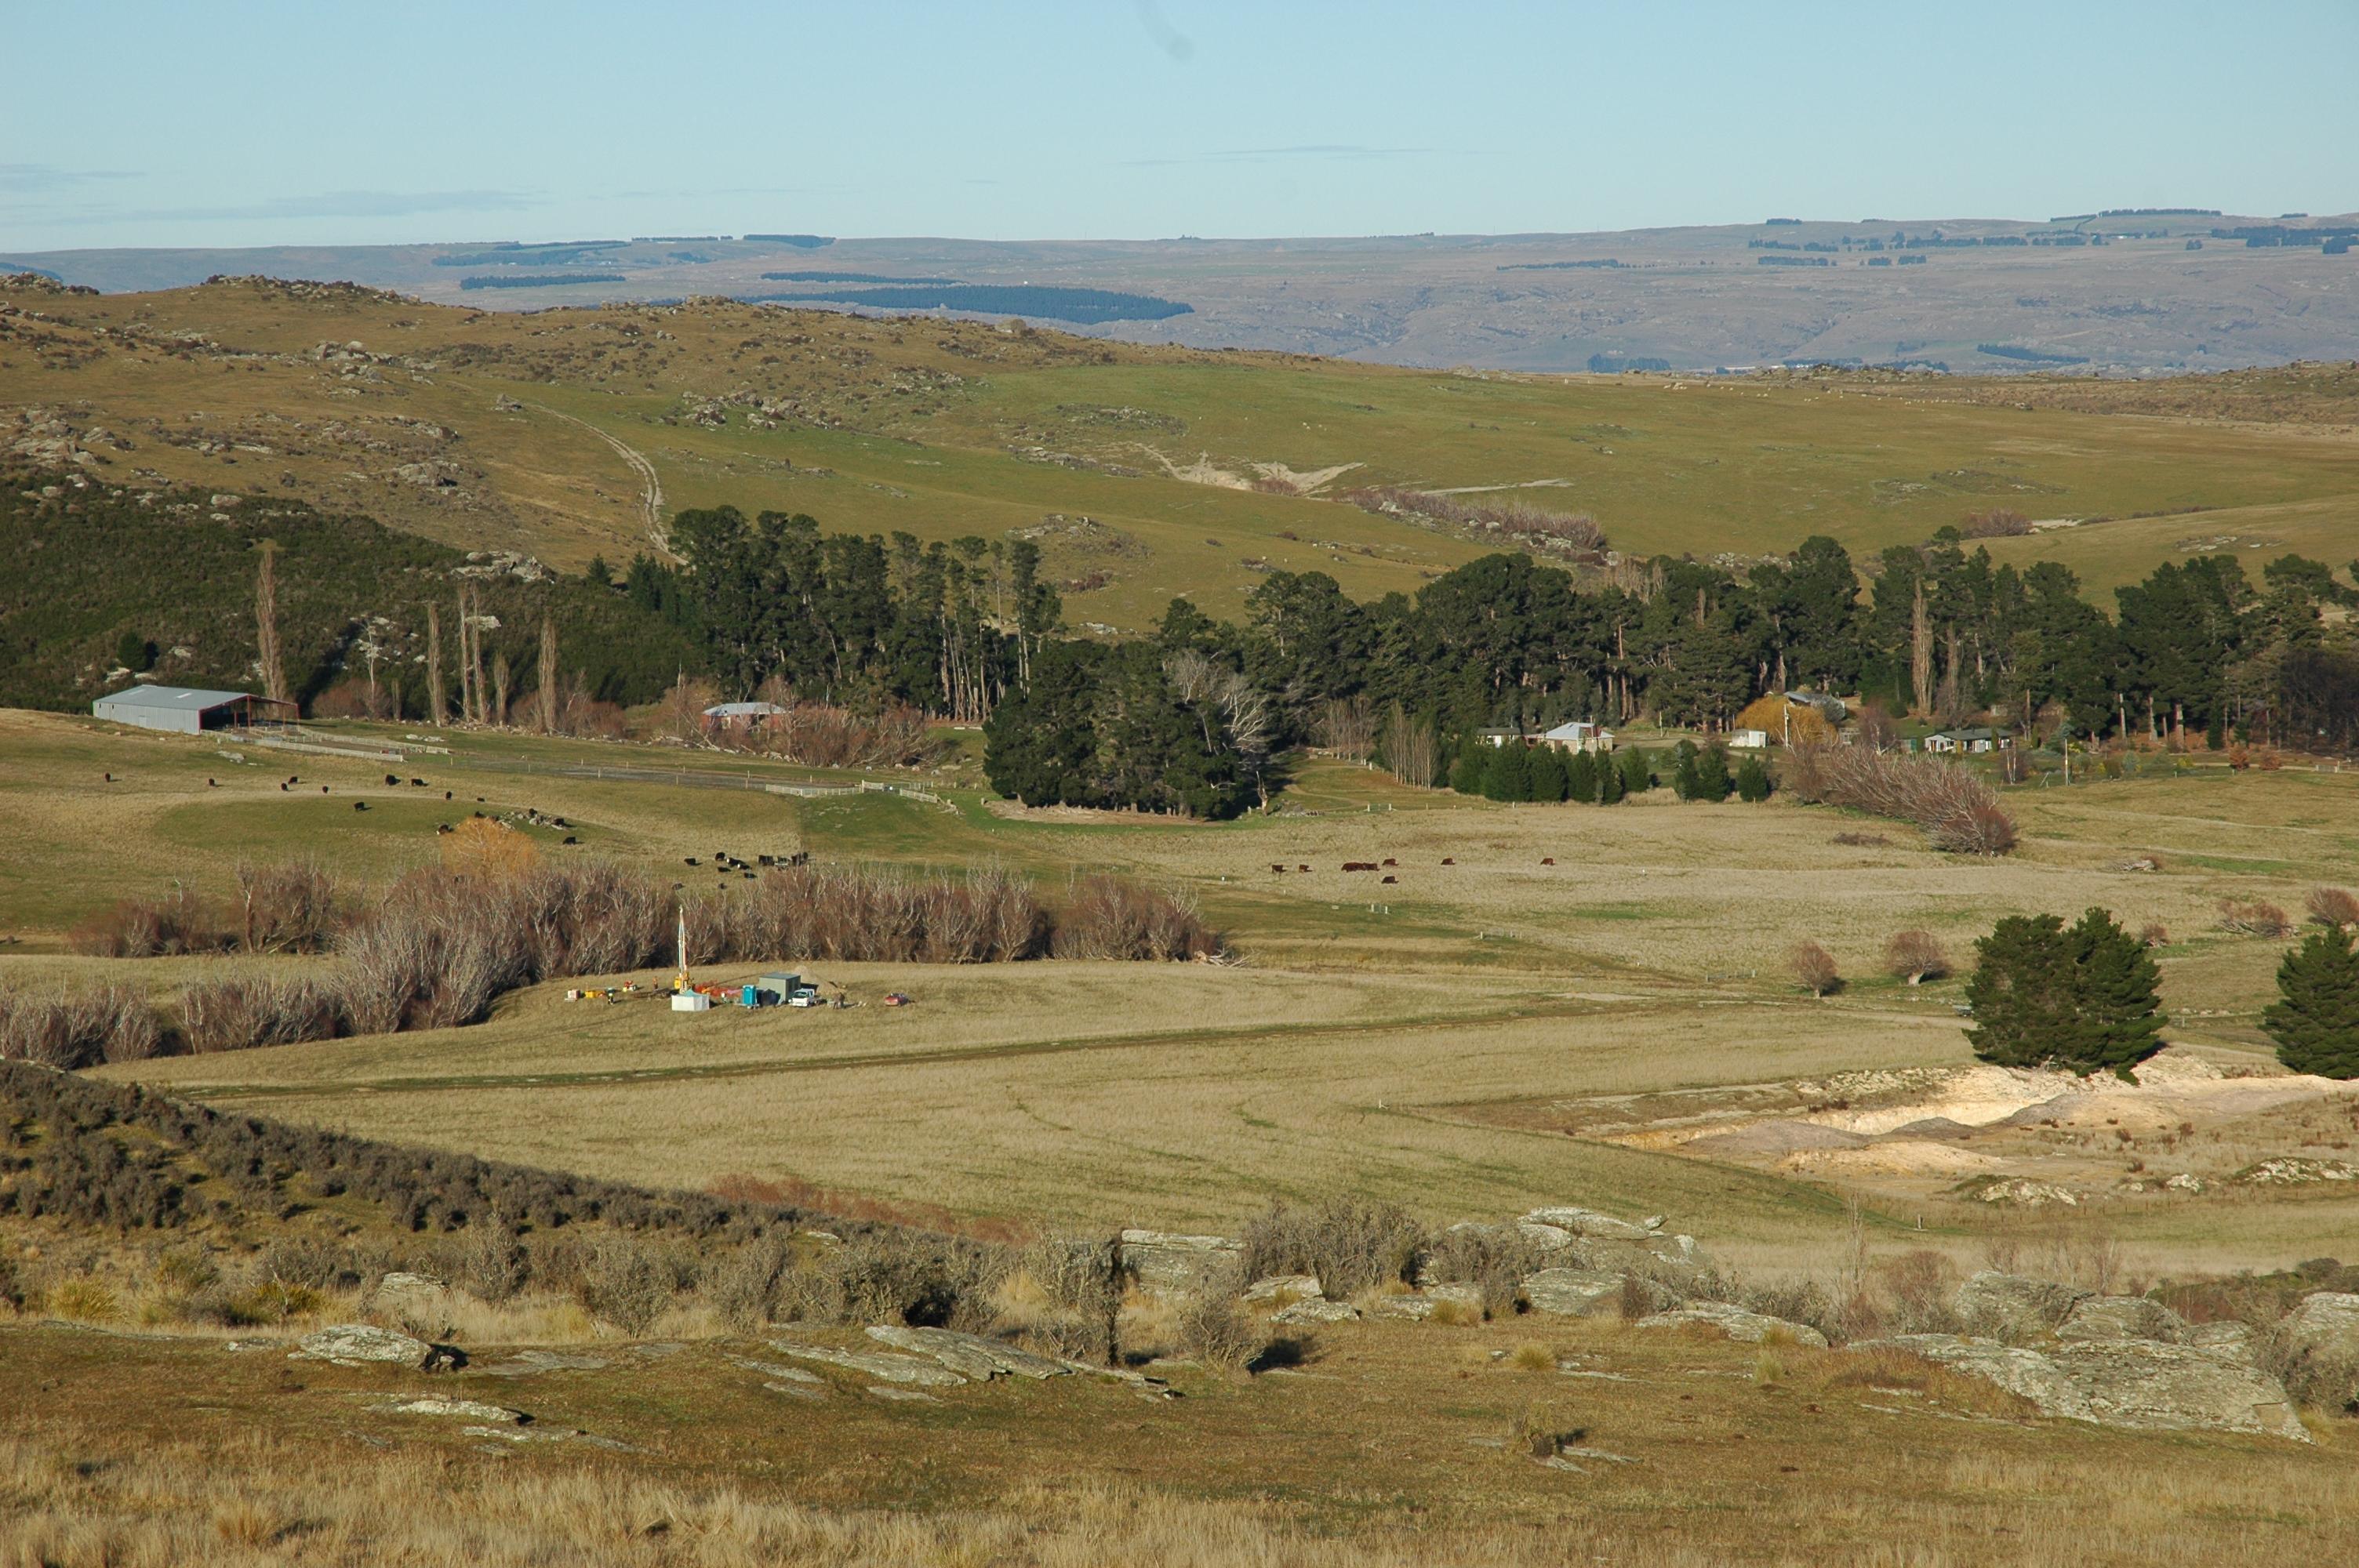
(1014, 427)
(1413, 1461)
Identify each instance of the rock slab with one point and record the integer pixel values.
(358, 1345)
(1751, 1327)
(1574, 1293)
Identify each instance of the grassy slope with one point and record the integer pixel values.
(914, 424)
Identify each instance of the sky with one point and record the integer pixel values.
(235, 124)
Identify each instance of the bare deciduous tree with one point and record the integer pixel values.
(1814, 968)
(1912, 956)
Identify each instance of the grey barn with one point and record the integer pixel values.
(190, 710)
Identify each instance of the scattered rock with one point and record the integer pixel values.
(1413, 1307)
(471, 1410)
(2289, 1173)
(909, 1396)
(531, 1363)
(522, 1434)
(980, 1359)
(892, 1369)
(1752, 1327)
(1317, 1309)
(775, 1369)
(358, 1345)
(1574, 1293)
(2121, 1317)
(1168, 1264)
(1297, 1286)
(2317, 1347)
(2011, 1307)
(2029, 1194)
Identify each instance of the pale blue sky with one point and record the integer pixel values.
(232, 124)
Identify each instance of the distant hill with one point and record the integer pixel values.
(2143, 292)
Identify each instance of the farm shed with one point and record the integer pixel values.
(742, 715)
(189, 709)
(1974, 740)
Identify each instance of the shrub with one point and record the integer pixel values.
(1814, 968)
(1491, 1256)
(68, 1029)
(1912, 956)
(487, 850)
(288, 909)
(1956, 810)
(1920, 1284)
(746, 1288)
(1752, 783)
(623, 1284)
(2333, 907)
(1107, 917)
(1350, 1242)
(2152, 934)
(2316, 1020)
(2254, 919)
(178, 923)
(1215, 1330)
(84, 1300)
(241, 1013)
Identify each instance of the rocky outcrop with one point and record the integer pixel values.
(875, 1364)
(1589, 1223)
(1292, 1287)
(968, 1353)
(1752, 1327)
(1574, 1293)
(2123, 1382)
(1166, 1264)
(1316, 1310)
(2121, 1317)
(2010, 1307)
(359, 1345)
(2317, 1348)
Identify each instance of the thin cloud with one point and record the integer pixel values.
(28, 176)
(1263, 154)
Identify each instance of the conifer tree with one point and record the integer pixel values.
(1638, 771)
(1473, 761)
(2022, 991)
(1549, 782)
(1614, 776)
(2316, 1023)
(1687, 779)
(1753, 781)
(1580, 777)
(2118, 1015)
(1509, 776)
(1713, 782)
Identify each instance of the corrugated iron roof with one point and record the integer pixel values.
(173, 696)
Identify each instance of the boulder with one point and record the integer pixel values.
(358, 1343)
(892, 1369)
(1752, 1327)
(1296, 1287)
(2027, 1373)
(2121, 1317)
(2231, 1339)
(1165, 1264)
(471, 1410)
(2011, 1307)
(2144, 1383)
(1574, 1293)
(2317, 1347)
(1415, 1308)
(980, 1359)
(1539, 1234)
(1588, 1222)
(1317, 1309)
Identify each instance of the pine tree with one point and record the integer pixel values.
(1580, 777)
(1509, 776)
(1549, 783)
(1686, 781)
(2316, 1025)
(1753, 781)
(1638, 771)
(2118, 1013)
(1473, 761)
(1713, 782)
(2022, 991)
(1614, 776)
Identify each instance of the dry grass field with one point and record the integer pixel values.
(1472, 1041)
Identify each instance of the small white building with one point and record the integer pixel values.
(1748, 740)
(1975, 739)
(1580, 735)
